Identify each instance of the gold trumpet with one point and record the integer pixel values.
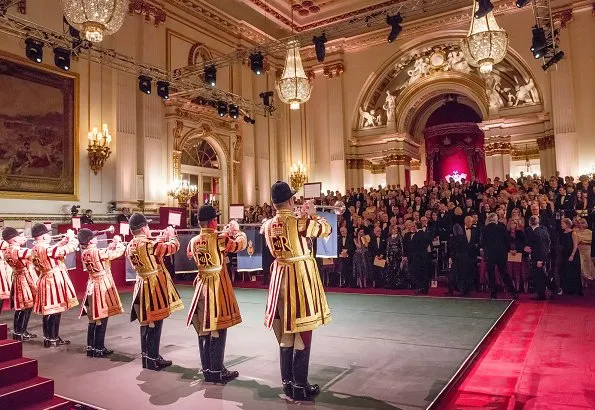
(339, 207)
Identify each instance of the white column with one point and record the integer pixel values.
(392, 174)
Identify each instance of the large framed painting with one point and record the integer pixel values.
(38, 131)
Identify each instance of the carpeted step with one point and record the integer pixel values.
(26, 393)
(10, 350)
(3, 331)
(54, 403)
(17, 370)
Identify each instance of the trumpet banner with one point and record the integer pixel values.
(182, 263)
(327, 247)
(250, 259)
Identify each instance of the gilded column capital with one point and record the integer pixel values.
(546, 142)
(177, 163)
(415, 165)
(397, 159)
(498, 148)
(149, 11)
(333, 70)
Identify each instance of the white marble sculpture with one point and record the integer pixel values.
(367, 118)
(526, 93)
(456, 62)
(493, 87)
(390, 106)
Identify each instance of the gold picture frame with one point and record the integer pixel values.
(39, 127)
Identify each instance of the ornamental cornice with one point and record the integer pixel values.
(150, 12)
(397, 160)
(333, 70)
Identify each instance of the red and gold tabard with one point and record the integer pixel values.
(5, 273)
(295, 281)
(213, 296)
(154, 290)
(24, 279)
(55, 291)
(102, 295)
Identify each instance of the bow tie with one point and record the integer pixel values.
(467, 229)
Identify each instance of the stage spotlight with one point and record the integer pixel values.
(34, 50)
(538, 43)
(395, 23)
(554, 60)
(234, 111)
(257, 63)
(249, 120)
(521, 3)
(319, 46)
(163, 89)
(266, 98)
(484, 7)
(211, 75)
(221, 108)
(62, 58)
(144, 84)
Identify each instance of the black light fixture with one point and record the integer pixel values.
(221, 108)
(257, 63)
(62, 58)
(538, 42)
(234, 111)
(395, 23)
(521, 3)
(211, 75)
(249, 120)
(34, 50)
(163, 89)
(266, 98)
(144, 84)
(554, 60)
(483, 8)
(319, 46)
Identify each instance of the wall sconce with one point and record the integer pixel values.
(298, 176)
(182, 191)
(99, 150)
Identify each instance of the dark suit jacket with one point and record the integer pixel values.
(416, 246)
(376, 250)
(349, 245)
(539, 241)
(122, 218)
(494, 241)
(472, 247)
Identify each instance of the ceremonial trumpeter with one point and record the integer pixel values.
(296, 302)
(101, 298)
(55, 292)
(155, 297)
(5, 282)
(24, 281)
(214, 307)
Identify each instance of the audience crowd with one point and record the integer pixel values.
(536, 233)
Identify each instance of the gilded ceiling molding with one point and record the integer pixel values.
(151, 12)
(333, 70)
(524, 153)
(397, 160)
(498, 148)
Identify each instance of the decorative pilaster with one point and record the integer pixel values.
(177, 164)
(547, 155)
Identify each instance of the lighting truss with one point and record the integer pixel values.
(21, 28)
(409, 9)
(543, 18)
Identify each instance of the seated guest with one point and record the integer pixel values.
(124, 216)
(86, 218)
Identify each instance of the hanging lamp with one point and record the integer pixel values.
(95, 18)
(294, 86)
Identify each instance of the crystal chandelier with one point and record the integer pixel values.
(95, 18)
(182, 191)
(98, 149)
(486, 43)
(298, 176)
(294, 86)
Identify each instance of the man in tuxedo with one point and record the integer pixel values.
(469, 207)
(494, 241)
(564, 203)
(124, 216)
(469, 273)
(377, 249)
(346, 250)
(538, 246)
(415, 249)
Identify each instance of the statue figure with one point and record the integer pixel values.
(493, 88)
(525, 93)
(390, 106)
(510, 96)
(420, 69)
(456, 61)
(367, 119)
(379, 117)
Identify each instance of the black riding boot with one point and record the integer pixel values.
(218, 372)
(99, 343)
(90, 338)
(143, 344)
(25, 324)
(154, 360)
(302, 390)
(16, 325)
(204, 348)
(286, 362)
(45, 324)
(56, 330)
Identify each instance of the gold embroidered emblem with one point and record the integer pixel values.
(250, 249)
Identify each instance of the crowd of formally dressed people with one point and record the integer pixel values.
(523, 235)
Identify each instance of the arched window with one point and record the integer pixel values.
(201, 155)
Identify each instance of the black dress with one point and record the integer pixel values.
(570, 272)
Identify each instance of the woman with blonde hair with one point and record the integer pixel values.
(585, 237)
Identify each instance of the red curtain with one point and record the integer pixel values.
(455, 149)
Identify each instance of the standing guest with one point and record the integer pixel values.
(5, 282)
(155, 297)
(457, 252)
(361, 259)
(585, 238)
(570, 270)
(377, 250)
(24, 281)
(124, 216)
(415, 248)
(516, 242)
(394, 253)
(295, 281)
(87, 218)
(346, 249)
(538, 246)
(55, 292)
(494, 242)
(469, 265)
(214, 307)
(101, 298)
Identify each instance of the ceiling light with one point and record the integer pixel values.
(521, 3)
(34, 50)
(144, 84)
(211, 75)
(266, 98)
(95, 18)
(395, 23)
(257, 63)
(554, 60)
(221, 108)
(538, 42)
(62, 58)
(319, 46)
(234, 111)
(163, 89)
(249, 120)
(484, 7)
